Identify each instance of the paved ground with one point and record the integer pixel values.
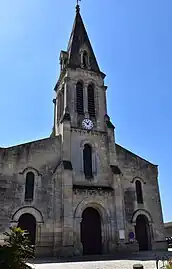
(148, 259)
(117, 264)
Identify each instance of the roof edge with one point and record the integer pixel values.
(33, 141)
(132, 153)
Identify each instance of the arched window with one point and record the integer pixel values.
(85, 59)
(79, 98)
(60, 104)
(29, 186)
(139, 193)
(87, 159)
(91, 103)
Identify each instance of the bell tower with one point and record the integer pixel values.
(88, 151)
(80, 90)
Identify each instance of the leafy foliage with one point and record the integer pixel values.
(169, 264)
(16, 250)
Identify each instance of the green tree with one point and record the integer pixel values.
(16, 250)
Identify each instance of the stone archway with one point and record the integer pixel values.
(28, 222)
(36, 215)
(30, 210)
(142, 231)
(91, 236)
(105, 217)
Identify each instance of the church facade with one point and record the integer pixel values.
(78, 192)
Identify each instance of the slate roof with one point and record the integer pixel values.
(77, 39)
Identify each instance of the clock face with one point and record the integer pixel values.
(87, 124)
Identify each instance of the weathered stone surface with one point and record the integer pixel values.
(61, 190)
(129, 198)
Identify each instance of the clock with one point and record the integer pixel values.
(87, 124)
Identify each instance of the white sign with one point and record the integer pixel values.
(121, 234)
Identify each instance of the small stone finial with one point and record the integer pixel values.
(77, 9)
(77, 6)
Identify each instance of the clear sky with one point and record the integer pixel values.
(133, 44)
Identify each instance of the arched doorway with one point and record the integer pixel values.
(91, 237)
(28, 222)
(143, 233)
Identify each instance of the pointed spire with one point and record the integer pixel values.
(79, 41)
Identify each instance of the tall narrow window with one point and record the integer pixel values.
(58, 109)
(87, 159)
(91, 103)
(85, 59)
(29, 187)
(139, 193)
(79, 98)
(60, 104)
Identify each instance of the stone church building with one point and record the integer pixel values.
(78, 192)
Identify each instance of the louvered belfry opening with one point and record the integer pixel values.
(85, 59)
(29, 187)
(91, 102)
(79, 98)
(87, 159)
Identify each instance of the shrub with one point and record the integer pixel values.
(16, 250)
(169, 264)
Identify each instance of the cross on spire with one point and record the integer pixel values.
(77, 6)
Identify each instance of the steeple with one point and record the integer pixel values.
(78, 43)
(80, 90)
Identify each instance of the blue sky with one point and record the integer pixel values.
(133, 44)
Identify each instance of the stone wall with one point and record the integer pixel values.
(62, 194)
(42, 158)
(134, 167)
(168, 229)
(100, 157)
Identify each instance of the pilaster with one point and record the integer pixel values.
(119, 207)
(67, 201)
(86, 101)
(111, 140)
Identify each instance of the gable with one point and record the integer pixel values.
(38, 154)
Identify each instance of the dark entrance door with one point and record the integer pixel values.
(91, 232)
(28, 222)
(143, 232)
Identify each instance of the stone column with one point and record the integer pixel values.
(67, 198)
(66, 94)
(119, 206)
(112, 237)
(106, 235)
(119, 202)
(38, 233)
(67, 189)
(85, 96)
(38, 239)
(66, 140)
(77, 237)
(111, 144)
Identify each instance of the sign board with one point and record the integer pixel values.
(121, 234)
(131, 236)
